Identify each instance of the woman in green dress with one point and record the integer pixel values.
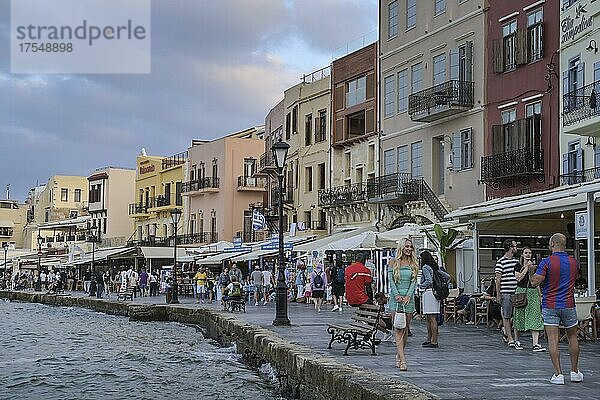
(528, 318)
(402, 277)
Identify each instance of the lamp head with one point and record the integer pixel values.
(5, 246)
(280, 150)
(40, 239)
(176, 215)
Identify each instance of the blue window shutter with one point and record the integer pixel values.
(454, 65)
(580, 75)
(468, 72)
(456, 152)
(565, 162)
(579, 159)
(565, 91)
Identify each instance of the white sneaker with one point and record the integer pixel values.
(576, 376)
(558, 379)
(334, 308)
(518, 345)
(265, 303)
(340, 309)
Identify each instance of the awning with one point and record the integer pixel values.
(7, 224)
(162, 252)
(211, 248)
(100, 255)
(319, 243)
(216, 259)
(254, 255)
(390, 239)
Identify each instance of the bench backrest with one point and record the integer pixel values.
(367, 315)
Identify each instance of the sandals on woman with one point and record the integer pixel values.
(400, 364)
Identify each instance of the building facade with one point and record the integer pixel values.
(13, 218)
(111, 190)
(580, 91)
(221, 187)
(432, 95)
(158, 191)
(522, 102)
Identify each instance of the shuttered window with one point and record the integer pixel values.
(462, 149)
(389, 94)
(403, 91)
(393, 19)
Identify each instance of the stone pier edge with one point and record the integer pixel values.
(302, 373)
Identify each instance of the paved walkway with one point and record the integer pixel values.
(472, 362)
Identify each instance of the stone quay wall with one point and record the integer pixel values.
(302, 373)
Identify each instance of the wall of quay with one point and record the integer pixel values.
(302, 373)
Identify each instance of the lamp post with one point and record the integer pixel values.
(6, 278)
(175, 217)
(38, 283)
(93, 237)
(280, 150)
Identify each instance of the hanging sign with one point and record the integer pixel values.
(581, 225)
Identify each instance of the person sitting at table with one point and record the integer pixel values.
(580, 282)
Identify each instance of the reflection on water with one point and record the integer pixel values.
(71, 353)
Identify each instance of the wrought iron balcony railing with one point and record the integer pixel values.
(266, 160)
(343, 195)
(251, 182)
(138, 208)
(441, 100)
(288, 197)
(210, 182)
(511, 164)
(174, 160)
(581, 104)
(587, 175)
(391, 184)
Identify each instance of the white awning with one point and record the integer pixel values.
(7, 224)
(319, 243)
(162, 252)
(216, 259)
(102, 254)
(390, 239)
(253, 255)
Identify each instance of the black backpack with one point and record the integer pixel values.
(440, 286)
(341, 275)
(318, 281)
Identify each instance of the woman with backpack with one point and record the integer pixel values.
(431, 305)
(318, 283)
(402, 277)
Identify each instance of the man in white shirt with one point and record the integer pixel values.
(267, 284)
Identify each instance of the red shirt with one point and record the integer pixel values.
(356, 276)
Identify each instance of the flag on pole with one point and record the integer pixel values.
(258, 220)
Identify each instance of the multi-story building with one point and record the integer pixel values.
(580, 93)
(13, 218)
(522, 97)
(353, 155)
(432, 95)
(221, 187)
(111, 190)
(158, 189)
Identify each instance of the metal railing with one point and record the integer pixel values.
(287, 198)
(395, 183)
(587, 175)
(266, 160)
(210, 182)
(138, 208)
(581, 104)
(510, 164)
(317, 75)
(252, 182)
(174, 160)
(341, 195)
(419, 189)
(450, 93)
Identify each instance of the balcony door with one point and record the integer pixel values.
(439, 178)
(249, 170)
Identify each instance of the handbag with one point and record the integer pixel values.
(400, 319)
(518, 300)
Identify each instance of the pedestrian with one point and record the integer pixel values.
(222, 282)
(143, 282)
(87, 281)
(557, 274)
(358, 282)
(318, 283)
(133, 277)
(431, 305)
(506, 284)
(402, 272)
(268, 283)
(200, 280)
(528, 318)
(235, 270)
(300, 283)
(153, 284)
(43, 278)
(99, 284)
(337, 285)
(258, 282)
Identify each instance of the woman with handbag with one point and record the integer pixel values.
(402, 276)
(528, 317)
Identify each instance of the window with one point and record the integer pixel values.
(509, 116)
(403, 91)
(461, 63)
(215, 169)
(308, 187)
(534, 35)
(462, 150)
(371, 157)
(533, 109)
(64, 194)
(440, 6)
(416, 72)
(509, 42)
(193, 173)
(411, 14)
(288, 126)
(321, 126)
(389, 162)
(567, 3)
(439, 69)
(393, 20)
(508, 130)
(347, 165)
(389, 89)
(403, 159)
(356, 91)
(416, 158)
(77, 195)
(573, 79)
(295, 120)
(308, 130)
(573, 160)
(307, 220)
(322, 176)
(356, 124)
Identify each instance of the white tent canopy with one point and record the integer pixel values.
(390, 239)
(162, 252)
(320, 243)
(253, 255)
(216, 259)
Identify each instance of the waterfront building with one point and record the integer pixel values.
(158, 191)
(111, 190)
(432, 63)
(521, 153)
(13, 218)
(580, 92)
(221, 185)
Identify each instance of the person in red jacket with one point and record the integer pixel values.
(358, 282)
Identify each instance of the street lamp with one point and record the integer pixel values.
(280, 150)
(175, 217)
(38, 284)
(6, 278)
(93, 237)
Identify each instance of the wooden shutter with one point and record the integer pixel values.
(566, 107)
(339, 130)
(369, 121)
(579, 159)
(497, 139)
(498, 55)
(454, 65)
(339, 97)
(468, 72)
(565, 162)
(317, 123)
(521, 139)
(456, 152)
(370, 89)
(521, 47)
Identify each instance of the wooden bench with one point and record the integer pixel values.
(360, 333)
(125, 294)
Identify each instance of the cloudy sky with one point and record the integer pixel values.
(218, 66)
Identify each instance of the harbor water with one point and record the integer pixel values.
(71, 353)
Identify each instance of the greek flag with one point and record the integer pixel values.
(258, 220)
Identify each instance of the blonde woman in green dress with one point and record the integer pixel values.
(402, 277)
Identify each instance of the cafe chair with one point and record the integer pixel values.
(450, 306)
(586, 328)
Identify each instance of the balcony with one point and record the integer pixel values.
(448, 98)
(174, 160)
(266, 164)
(288, 198)
(587, 175)
(579, 107)
(251, 184)
(389, 189)
(343, 195)
(201, 186)
(512, 164)
(138, 208)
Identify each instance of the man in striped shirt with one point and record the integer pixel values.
(506, 284)
(557, 275)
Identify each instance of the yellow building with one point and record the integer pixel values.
(158, 187)
(13, 218)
